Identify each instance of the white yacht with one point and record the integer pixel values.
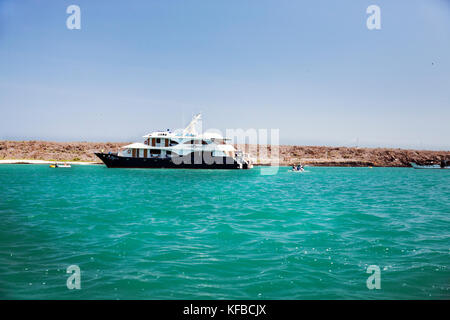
(183, 149)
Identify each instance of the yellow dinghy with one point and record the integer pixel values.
(60, 165)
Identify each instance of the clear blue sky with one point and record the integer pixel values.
(310, 68)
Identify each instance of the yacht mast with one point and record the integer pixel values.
(190, 129)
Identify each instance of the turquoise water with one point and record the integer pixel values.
(201, 234)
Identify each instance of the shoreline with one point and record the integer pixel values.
(82, 153)
(36, 161)
(44, 162)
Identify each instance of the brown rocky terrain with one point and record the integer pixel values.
(58, 151)
(288, 155)
(348, 157)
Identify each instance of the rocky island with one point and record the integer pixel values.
(288, 155)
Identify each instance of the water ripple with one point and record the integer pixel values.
(205, 234)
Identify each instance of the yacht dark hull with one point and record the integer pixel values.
(112, 160)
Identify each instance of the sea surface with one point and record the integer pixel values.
(231, 234)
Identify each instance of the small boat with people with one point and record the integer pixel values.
(60, 165)
(298, 168)
(445, 164)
